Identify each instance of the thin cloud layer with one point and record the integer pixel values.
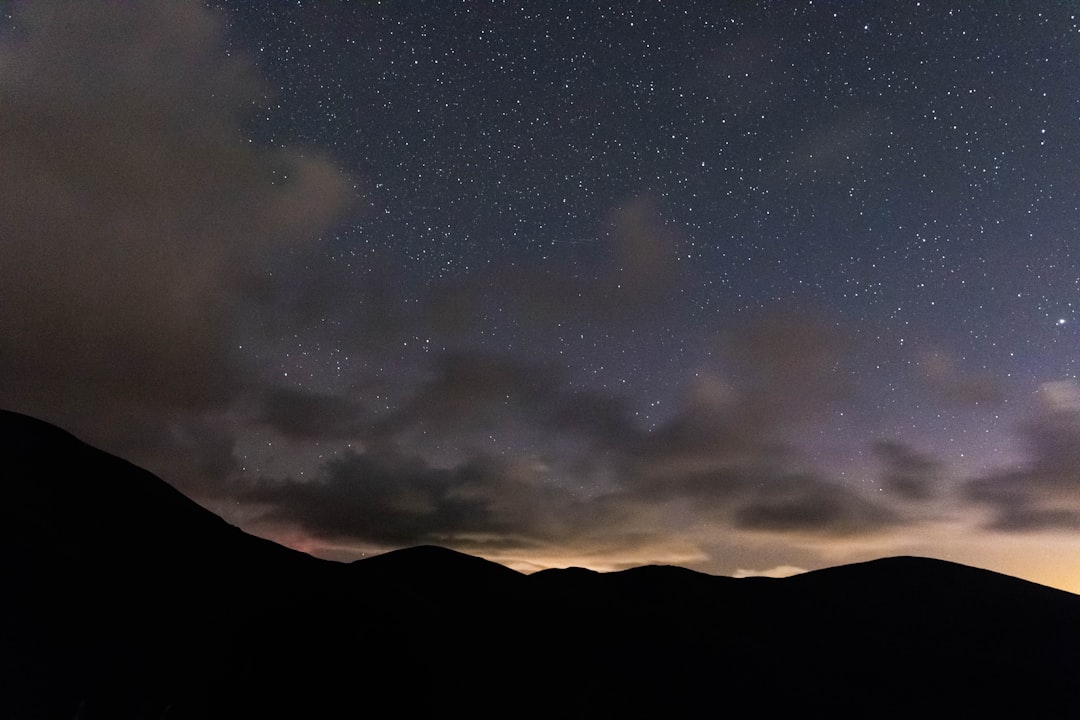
(907, 472)
(943, 377)
(587, 470)
(1044, 494)
(300, 415)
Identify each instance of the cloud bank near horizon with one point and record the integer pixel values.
(144, 229)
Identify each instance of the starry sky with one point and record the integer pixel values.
(750, 287)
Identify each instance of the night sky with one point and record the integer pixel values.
(742, 286)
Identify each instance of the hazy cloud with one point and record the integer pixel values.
(644, 246)
(1044, 494)
(587, 468)
(300, 414)
(807, 504)
(905, 471)
(636, 248)
(135, 210)
(386, 496)
(948, 381)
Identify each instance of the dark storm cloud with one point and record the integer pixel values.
(135, 210)
(1045, 493)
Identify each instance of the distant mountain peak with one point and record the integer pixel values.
(122, 599)
(433, 563)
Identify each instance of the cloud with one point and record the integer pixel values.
(300, 414)
(644, 245)
(583, 470)
(808, 504)
(634, 284)
(484, 503)
(958, 387)
(387, 496)
(908, 473)
(470, 394)
(471, 386)
(776, 375)
(1044, 494)
(135, 212)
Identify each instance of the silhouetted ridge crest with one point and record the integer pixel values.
(435, 561)
(123, 599)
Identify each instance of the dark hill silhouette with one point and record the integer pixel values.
(123, 599)
(113, 580)
(437, 568)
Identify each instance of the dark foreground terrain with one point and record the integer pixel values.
(120, 598)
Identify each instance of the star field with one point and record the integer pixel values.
(732, 285)
(892, 165)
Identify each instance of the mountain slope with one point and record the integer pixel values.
(117, 588)
(123, 599)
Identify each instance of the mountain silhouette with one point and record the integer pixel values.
(124, 599)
